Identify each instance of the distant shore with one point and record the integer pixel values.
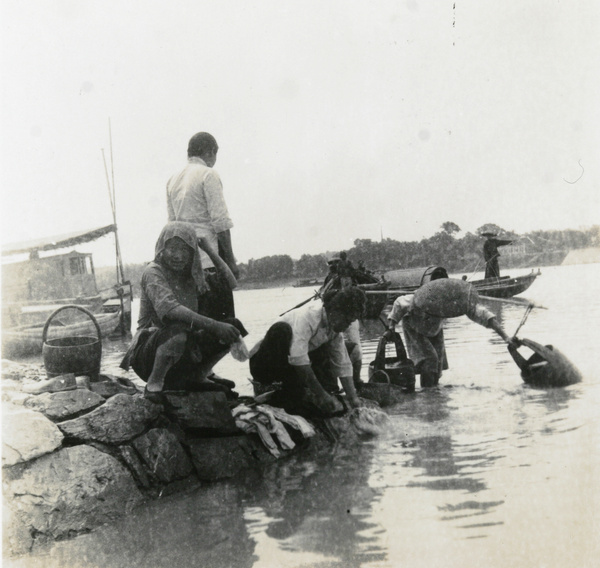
(281, 283)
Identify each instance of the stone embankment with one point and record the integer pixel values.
(75, 459)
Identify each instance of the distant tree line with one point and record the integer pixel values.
(444, 248)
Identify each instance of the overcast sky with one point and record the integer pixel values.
(336, 120)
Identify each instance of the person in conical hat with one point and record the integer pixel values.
(423, 314)
(491, 254)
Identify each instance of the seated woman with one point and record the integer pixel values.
(175, 347)
(305, 351)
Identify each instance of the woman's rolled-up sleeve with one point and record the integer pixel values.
(401, 307)
(481, 315)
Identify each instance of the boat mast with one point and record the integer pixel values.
(113, 205)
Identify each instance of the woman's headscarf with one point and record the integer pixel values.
(186, 232)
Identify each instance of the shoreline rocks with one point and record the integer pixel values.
(76, 459)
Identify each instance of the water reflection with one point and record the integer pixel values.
(553, 400)
(321, 507)
(205, 527)
(435, 456)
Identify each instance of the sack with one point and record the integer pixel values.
(400, 369)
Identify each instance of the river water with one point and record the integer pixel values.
(482, 471)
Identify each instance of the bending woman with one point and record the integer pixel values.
(306, 352)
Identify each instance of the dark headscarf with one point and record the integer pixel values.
(186, 232)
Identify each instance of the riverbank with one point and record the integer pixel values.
(260, 285)
(79, 453)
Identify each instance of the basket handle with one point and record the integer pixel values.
(380, 355)
(70, 306)
(387, 382)
(400, 350)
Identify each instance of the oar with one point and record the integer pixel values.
(390, 291)
(315, 295)
(515, 301)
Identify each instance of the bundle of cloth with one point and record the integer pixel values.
(269, 423)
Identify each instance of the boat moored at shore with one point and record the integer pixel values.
(34, 288)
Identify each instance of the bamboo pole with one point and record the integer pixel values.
(114, 206)
(516, 302)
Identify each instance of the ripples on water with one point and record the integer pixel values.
(484, 471)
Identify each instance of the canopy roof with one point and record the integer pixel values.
(57, 242)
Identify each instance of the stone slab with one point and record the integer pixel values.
(120, 419)
(163, 454)
(71, 491)
(135, 465)
(64, 405)
(108, 386)
(202, 411)
(220, 458)
(26, 435)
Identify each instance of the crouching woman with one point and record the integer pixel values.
(305, 352)
(175, 347)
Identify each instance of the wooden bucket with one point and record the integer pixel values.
(400, 369)
(547, 367)
(80, 354)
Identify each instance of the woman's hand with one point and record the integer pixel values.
(331, 405)
(234, 269)
(354, 402)
(225, 332)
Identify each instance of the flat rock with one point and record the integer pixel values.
(163, 454)
(136, 466)
(108, 386)
(26, 435)
(72, 491)
(201, 410)
(120, 419)
(219, 458)
(63, 405)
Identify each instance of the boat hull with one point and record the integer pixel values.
(506, 287)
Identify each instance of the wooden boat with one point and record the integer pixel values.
(34, 288)
(28, 340)
(505, 286)
(301, 282)
(397, 283)
(402, 282)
